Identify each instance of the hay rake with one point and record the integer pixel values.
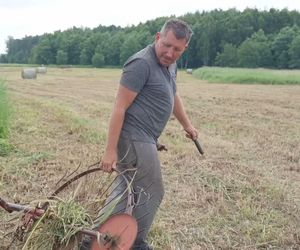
(115, 232)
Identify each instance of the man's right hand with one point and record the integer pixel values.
(109, 161)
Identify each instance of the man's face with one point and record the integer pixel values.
(168, 48)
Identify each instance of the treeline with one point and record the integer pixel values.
(231, 38)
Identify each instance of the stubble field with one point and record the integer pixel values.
(243, 194)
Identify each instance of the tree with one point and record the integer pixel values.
(248, 54)
(44, 52)
(228, 58)
(84, 57)
(129, 47)
(207, 42)
(87, 50)
(113, 49)
(194, 53)
(213, 30)
(98, 60)
(19, 50)
(281, 44)
(263, 47)
(294, 53)
(61, 57)
(255, 51)
(3, 58)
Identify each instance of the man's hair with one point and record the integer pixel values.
(180, 29)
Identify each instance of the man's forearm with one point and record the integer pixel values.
(180, 113)
(115, 126)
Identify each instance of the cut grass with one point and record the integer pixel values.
(158, 237)
(5, 148)
(230, 208)
(58, 226)
(244, 192)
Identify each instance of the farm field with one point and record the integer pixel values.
(242, 194)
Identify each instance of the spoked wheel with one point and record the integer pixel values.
(84, 193)
(90, 189)
(119, 233)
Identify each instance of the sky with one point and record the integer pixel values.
(20, 18)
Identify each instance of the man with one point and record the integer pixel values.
(145, 100)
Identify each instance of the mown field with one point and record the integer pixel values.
(243, 194)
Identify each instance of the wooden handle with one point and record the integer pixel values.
(199, 147)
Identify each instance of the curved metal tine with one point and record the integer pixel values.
(105, 192)
(5, 205)
(66, 175)
(121, 174)
(136, 193)
(76, 177)
(139, 193)
(89, 170)
(108, 187)
(118, 171)
(133, 202)
(130, 199)
(128, 190)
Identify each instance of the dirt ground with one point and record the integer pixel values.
(242, 194)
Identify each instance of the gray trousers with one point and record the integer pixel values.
(147, 185)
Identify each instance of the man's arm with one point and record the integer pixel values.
(123, 100)
(182, 117)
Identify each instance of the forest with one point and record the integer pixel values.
(250, 38)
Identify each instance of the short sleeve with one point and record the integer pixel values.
(135, 74)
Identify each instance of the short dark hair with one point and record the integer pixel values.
(180, 28)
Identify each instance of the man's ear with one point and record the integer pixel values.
(157, 36)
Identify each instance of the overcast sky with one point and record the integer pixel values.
(20, 18)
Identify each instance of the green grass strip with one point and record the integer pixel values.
(4, 120)
(4, 111)
(248, 76)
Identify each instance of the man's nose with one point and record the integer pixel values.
(170, 52)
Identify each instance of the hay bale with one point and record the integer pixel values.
(41, 70)
(189, 71)
(29, 73)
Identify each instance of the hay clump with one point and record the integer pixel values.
(41, 70)
(58, 226)
(189, 71)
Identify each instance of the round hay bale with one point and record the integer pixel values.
(41, 70)
(29, 73)
(189, 71)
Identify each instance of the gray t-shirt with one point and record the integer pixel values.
(155, 86)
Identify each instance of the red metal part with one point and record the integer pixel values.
(119, 233)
